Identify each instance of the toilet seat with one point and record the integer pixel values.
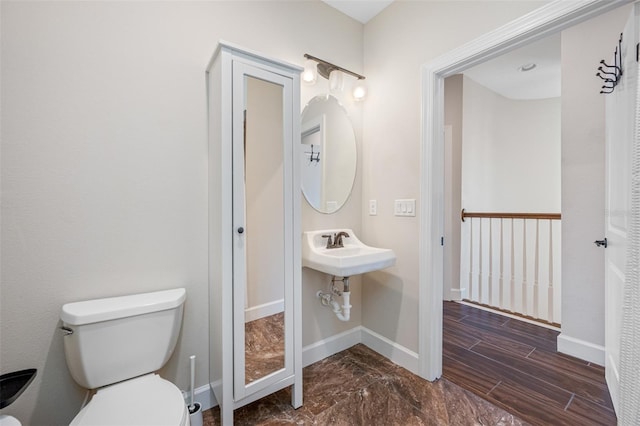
(146, 400)
(9, 421)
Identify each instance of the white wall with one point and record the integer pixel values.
(510, 152)
(397, 42)
(104, 165)
(582, 47)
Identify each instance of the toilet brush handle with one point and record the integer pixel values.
(192, 359)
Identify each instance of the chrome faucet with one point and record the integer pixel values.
(335, 241)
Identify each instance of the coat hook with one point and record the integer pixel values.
(313, 156)
(612, 75)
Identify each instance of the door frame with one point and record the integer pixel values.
(548, 19)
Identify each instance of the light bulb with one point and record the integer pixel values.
(310, 73)
(336, 82)
(359, 91)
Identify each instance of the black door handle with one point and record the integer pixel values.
(240, 230)
(601, 243)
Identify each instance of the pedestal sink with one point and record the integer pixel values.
(352, 259)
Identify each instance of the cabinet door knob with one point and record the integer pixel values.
(240, 230)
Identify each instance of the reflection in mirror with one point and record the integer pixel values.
(328, 154)
(264, 183)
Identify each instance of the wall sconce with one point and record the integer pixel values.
(336, 82)
(359, 91)
(310, 74)
(334, 73)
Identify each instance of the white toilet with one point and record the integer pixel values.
(115, 345)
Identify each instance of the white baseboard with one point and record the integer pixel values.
(203, 395)
(398, 354)
(581, 349)
(332, 345)
(458, 294)
(266, 309)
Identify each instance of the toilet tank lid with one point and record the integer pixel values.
(90, 311)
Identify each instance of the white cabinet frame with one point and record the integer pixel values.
(227, 269)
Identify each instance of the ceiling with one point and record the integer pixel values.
(502, 74)
(360, 10)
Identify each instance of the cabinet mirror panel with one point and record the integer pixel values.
(265, 229)
(328, 154)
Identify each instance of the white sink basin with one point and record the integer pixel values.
(352, 259)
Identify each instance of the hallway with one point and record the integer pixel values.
(514, 365)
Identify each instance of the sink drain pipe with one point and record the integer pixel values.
(326, 298)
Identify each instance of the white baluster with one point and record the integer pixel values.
(512, 283)
(480, 263)
(470, 258)
(536, 312)
(490, 283)
(501, 279)
(550, 288)
(524, 267)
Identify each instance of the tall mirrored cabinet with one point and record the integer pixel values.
(254, 228)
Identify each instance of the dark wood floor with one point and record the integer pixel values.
(514, 365)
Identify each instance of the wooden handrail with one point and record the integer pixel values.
(549, 216)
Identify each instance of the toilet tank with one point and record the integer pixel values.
(118, 338)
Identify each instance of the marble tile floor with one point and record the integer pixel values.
(360, 387)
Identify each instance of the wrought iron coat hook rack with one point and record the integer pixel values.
(313, 156)
(611, 74)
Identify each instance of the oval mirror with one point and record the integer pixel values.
(328, 154)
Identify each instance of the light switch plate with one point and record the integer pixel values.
(373, 207)
(406, 207)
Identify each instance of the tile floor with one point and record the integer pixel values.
(360, 387)
(516, 366)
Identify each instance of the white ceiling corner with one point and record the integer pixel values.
(502, 74)
(360, 10)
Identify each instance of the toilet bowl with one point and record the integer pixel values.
(147, 400)
(115, 346)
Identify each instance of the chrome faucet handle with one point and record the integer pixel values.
(329, 240)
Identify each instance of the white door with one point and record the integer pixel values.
(620, 119)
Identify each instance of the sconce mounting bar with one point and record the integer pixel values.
(332, 67)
